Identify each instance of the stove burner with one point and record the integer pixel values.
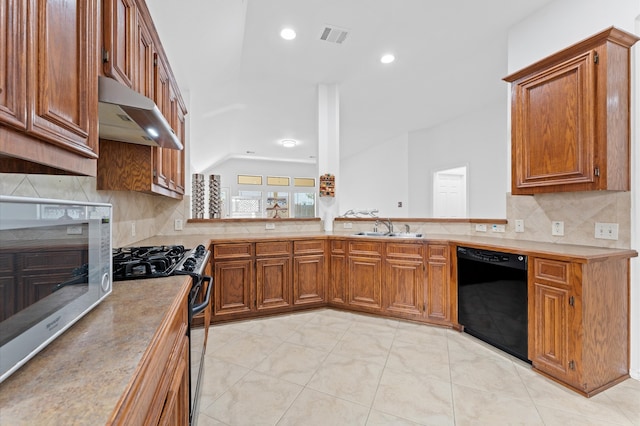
(146, 262)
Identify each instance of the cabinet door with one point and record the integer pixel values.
(119, 39)
(63, 75)
(554, 126)
(308, 279)
(232, 287)
(176, 406)
(143, 66)
(273, 283)
(438, 305)
(162, 157)
(13, 79)
(365, 282)
(404, 286)
(338, 279)
(550, 350)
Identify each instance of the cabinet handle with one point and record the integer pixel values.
(596, 171)
(596, 58)
(571, 301)
(572, 365)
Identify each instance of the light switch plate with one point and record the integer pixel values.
(481, 227)
(347, 225)
(270, 226)
(178, 225)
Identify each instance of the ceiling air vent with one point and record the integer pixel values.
(333, 34)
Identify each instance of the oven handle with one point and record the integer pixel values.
(195, 310)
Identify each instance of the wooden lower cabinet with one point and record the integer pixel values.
(309, 273)
(438, 289)
(404, 279)
(337, 284)
(232, 287)
(365, 275)
(578, 322)
(273, 283)
(255, 278)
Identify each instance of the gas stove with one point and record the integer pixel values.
(133, 263)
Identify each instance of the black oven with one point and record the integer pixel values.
(131, 263)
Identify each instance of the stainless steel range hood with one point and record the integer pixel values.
(127, 116)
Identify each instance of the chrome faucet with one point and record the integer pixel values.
(386, 223)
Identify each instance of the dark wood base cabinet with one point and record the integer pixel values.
(579, 322)
(265, 277)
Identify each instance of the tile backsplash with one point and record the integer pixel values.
(155, 215)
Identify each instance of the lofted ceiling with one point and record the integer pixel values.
(247, 88)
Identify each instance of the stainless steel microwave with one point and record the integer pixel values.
(55, 266)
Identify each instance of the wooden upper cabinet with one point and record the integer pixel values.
(119, 40)
(50, 125)
(133, 54)
(570, 118)
(13, 95)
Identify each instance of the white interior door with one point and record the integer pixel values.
(450, 193)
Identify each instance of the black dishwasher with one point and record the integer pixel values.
(492, 298)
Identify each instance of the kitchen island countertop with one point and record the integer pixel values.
(80, 377)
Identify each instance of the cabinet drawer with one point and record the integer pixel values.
(438, 252)
(338, 246)
(308, 247)
(551, 270)
(273, 248)
(367, 248)
(405, 250)
(232, 251)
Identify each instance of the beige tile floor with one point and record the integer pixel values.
(329, 367)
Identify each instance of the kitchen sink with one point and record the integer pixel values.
(372, 234)
(390, 234)
(404, 235)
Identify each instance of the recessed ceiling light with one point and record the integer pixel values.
(288, 34)
(288, 143)
(387, 58)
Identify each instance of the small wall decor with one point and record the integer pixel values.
(327, 185)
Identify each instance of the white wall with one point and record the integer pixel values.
(560, 24)
(376, 179)
(476, 140)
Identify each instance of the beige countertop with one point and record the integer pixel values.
(79, 378)
(577, 253)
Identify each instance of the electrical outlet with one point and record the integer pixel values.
(178, 225)
(606, 231)
(133, 229)
(497, 228)
(270, 226)
(347, 225)
(519, 225)
(481, 227)
(557, 228)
